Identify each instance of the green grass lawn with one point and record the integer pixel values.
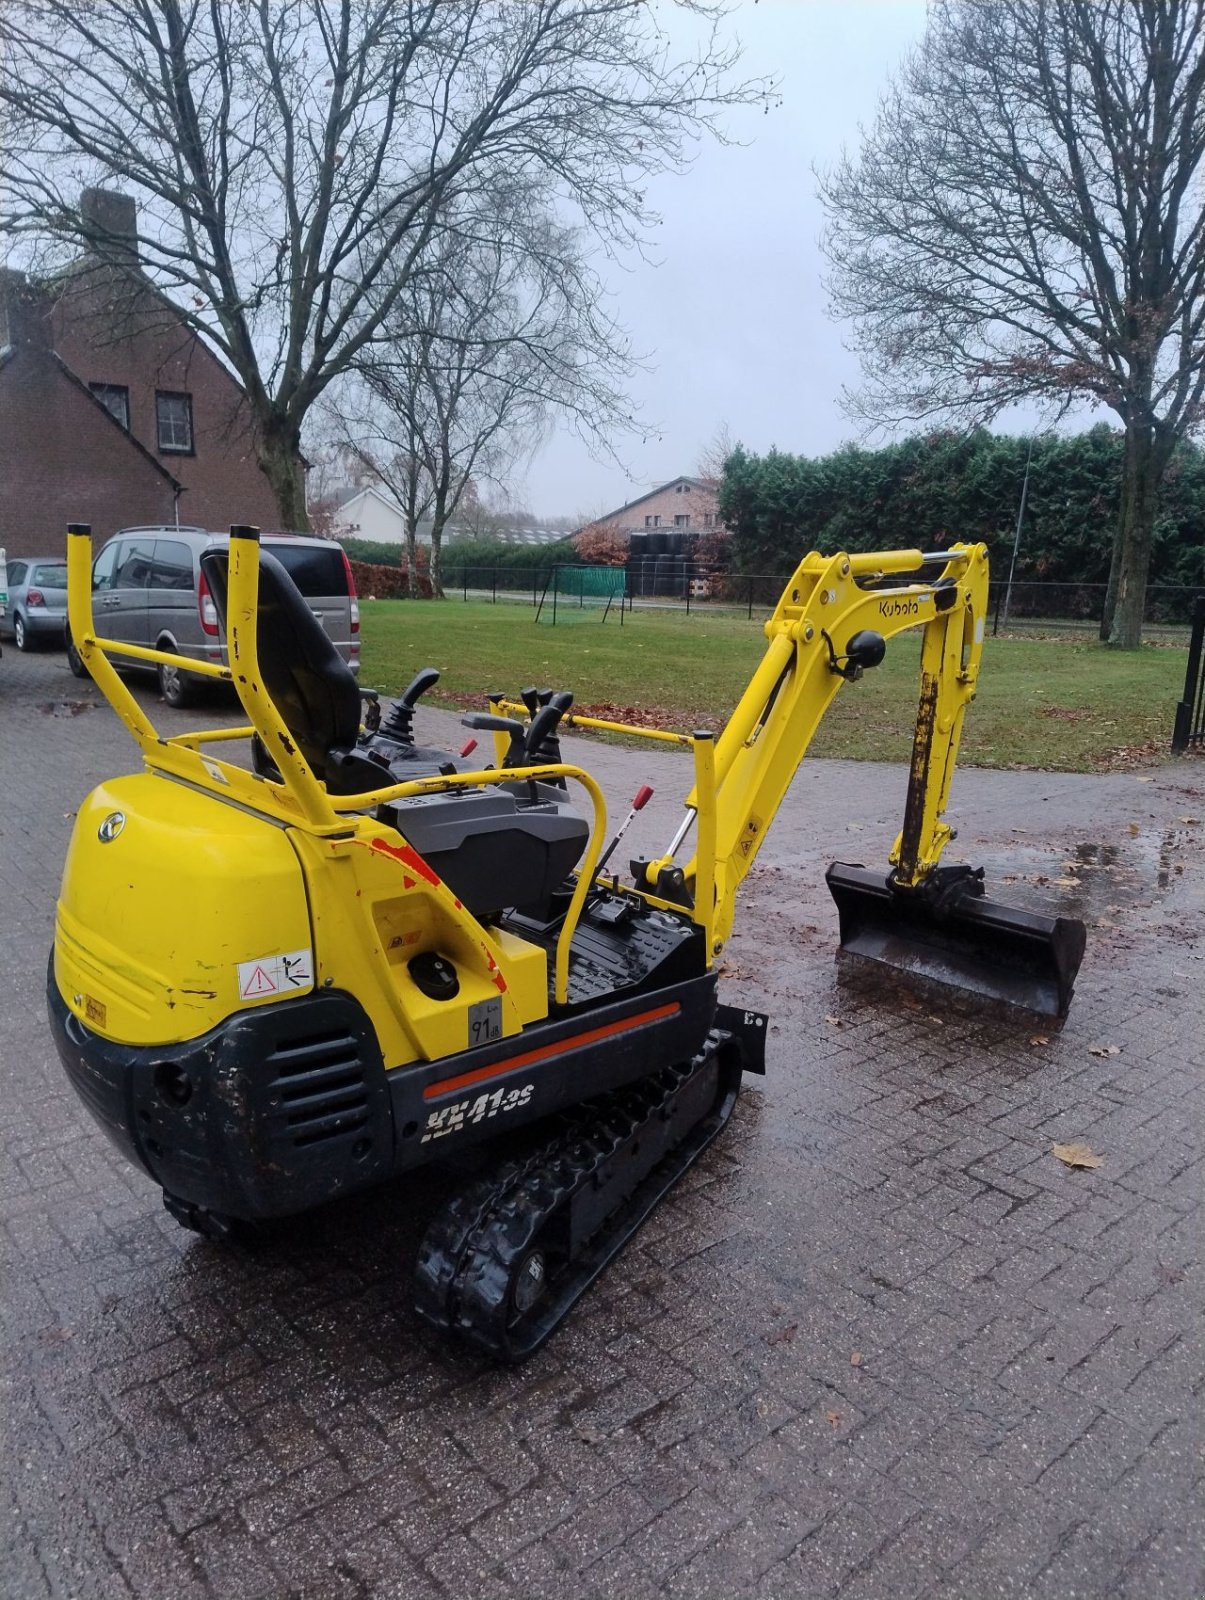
(1071, 707)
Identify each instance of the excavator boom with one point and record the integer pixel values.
(830, 627)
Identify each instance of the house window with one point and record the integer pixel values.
(115, 398)
(682, 520)
(648, 522)
(173, 416)
(708, 519)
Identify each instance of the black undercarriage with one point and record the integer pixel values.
(284, 1107)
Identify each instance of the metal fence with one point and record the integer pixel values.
(682, 586)
(1190, 713)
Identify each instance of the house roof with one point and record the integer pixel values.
(695, 483)
(125, 432)
(345, 499)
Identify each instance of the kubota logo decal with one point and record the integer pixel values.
(900, 607)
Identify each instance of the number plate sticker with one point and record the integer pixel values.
(485, 1021)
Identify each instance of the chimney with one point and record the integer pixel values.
(111, 220)
(24, 312)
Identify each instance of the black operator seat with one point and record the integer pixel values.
(312, 686)
(494, 848)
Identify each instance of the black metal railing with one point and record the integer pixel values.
(1190, 713)
(675, 583)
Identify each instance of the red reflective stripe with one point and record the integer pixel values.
(562, 1047)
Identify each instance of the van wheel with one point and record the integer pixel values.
(75, 661)
(176, 687)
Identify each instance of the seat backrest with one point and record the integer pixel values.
(311, 684)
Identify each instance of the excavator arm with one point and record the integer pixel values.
(830, 625)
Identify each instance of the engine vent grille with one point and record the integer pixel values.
(321, 1087)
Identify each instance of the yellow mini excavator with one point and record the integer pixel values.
(280, 982)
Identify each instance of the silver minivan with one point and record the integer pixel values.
(148, 588)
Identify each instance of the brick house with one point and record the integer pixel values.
(681, 503)
(112, 410)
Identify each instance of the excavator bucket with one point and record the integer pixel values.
(1021, 958)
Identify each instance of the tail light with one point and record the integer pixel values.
(34, 597)
(351, 593)
(206, 609)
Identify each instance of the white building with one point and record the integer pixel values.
(373, 514)
(376, 516)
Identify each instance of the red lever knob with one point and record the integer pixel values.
(468, 748)
(643, 795)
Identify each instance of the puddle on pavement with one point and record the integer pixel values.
(1096, 881)
(65, 708)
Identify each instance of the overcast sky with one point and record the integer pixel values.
(733, 314)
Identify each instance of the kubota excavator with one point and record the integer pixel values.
(279, 985)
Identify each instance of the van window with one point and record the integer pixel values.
(134, 565)
(315, 569)
(172, 566)
(102, 572)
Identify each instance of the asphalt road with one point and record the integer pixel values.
(880, 1343)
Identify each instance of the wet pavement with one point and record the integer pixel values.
(880, 1342)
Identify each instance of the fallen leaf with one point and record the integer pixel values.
(833, 1418)
(836, 1021)
(1135, 830)
(591, 1435)
(856, 1359)
(1104, 1050)
(1077, 1155)
(1039, 1038)
(1066, 883)
(783, 1335)
(1191, 821)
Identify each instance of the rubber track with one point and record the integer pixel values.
(479, 1237)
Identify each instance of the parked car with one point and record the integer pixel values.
(37, 601)
(3, 584)
(148, 589)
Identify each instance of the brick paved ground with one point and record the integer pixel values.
(1024, 1418)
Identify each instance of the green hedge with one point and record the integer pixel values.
(932, 489)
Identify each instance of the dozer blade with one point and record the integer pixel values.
(1021, 958)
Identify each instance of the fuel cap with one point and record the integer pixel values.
(434, 975)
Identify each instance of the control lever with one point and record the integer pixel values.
(482, 722)
(398, 725)
(539, 744)
(423, 680)
(643, 795)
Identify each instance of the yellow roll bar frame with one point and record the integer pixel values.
(740, 778)
(300, 800)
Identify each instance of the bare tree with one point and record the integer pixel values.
(1024, 222)
(501, 328)
(293, 159)
(713, 455)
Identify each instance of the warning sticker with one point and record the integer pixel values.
(276, 975)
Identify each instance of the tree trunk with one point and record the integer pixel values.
(280, 463)
(439, 518)
(1110, 605)
(412, 588)
(1145, 459)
